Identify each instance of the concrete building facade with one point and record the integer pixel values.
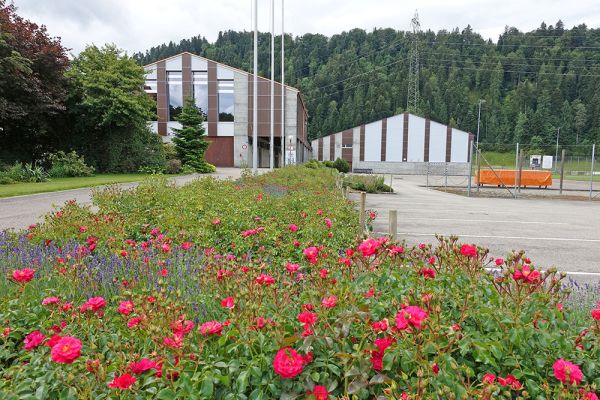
(402, 144)
(225, 96)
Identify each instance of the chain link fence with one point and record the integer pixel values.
(527, 170)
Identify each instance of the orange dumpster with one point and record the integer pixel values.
(507, 177)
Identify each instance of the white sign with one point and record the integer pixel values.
(547, 162)
(535, 161)
(291, 157)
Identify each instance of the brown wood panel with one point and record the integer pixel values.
(427, 140)
(332, 147)
(383, 138)
(186, 75)
(347, 137)
(220, 151)
(448, 144)
(213, 105)
(362, 143)
(320, 155)
(347, 155)
(162, 107)
(405, 138)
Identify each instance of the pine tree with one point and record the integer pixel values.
(190, 141)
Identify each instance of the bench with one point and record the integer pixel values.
(362, 170)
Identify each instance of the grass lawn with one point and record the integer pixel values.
(55, 184)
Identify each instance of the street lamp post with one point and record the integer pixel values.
(556, 155)
(477, 146)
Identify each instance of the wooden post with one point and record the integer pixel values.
(562, 169)
(520, 170)
(363, 201)
(393, 224)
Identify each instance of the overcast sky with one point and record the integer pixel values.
(136, 25)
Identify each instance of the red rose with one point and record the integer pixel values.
(125, 307)
(288, 363)
(410, 316)
(596, 314)
(488, 378)
(264, 279)
(228, 302)
(329, 302)
(307, 317)
(293, 227)
(23, 275)
(566, 371)
(182, 326)
(211, 328)
(66, 350)
(133, 322)
(33, 340)
(468, 250)
(124, 381)
(319, 393)
(369, 247)
(526, 275)
(142, 366)
(427, 272)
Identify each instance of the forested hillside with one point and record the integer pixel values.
(532, 82)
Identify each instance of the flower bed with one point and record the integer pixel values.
(259, 289)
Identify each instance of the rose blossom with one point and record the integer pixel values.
(306, 317)
(468, 250)
(124, 381)
(211, 328)
(264, 279)
(23, 275)
(410, 316)
(488, 378)
(565, 370)
(50, 300)
(228, 302)
(319, 392)
(125, 307)
(293, 227)
(66, 350)
(369, 247)
(33, 340)
(142, 366)
(291, 268)
(329, 302)
(288, 363)
(526, 275)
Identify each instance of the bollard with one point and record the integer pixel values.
(363, 201)
(393, 224)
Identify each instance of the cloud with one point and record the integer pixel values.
(136, 25)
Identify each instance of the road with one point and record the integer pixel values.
(21, 211)
(561, 233)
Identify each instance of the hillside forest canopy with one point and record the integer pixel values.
(532, 82)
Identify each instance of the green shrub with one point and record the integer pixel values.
(173, 166)
(34, 173)
(367, 183)
(328, 164)
(313, 164)
(170, 151)
(68, 165)
(341, 165)
(12, 174)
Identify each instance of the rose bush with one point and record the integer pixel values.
(164, 303)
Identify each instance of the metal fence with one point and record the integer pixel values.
(574, 169)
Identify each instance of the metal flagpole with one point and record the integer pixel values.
(255, 93)
(282, 85)
(592, 170)
(272, 142)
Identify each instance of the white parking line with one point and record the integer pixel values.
(486, 220)
(567, 272)
(496, 237)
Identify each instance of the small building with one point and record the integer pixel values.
(225, 96)
(402, 144)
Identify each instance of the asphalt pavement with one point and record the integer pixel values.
(561, 233)
(21, 211)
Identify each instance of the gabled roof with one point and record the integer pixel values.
(221, 64)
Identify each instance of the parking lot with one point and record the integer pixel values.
(561, 233)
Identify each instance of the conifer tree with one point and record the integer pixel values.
(190, 140)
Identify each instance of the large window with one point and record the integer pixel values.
(201, 91)
(151, 87)
(226, 100)
(174, 84)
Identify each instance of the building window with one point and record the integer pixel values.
(175, 88)
(151, 88)
(201, 91)
(226, 100)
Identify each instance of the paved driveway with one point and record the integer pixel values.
(21, 211)
(553, 232)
